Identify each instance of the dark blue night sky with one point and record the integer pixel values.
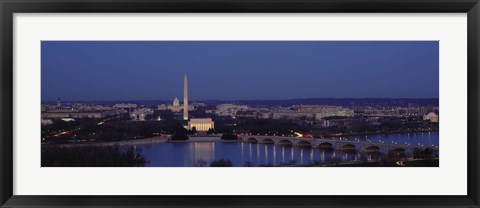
(236, 70)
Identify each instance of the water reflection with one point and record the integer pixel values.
(200, 152)
(274, 155)
(266, 154)
(258, 152)
(190, 154)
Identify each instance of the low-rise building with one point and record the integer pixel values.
(230, 109)
(317, 112)
(74, 114)
(125, 105)
(140, 114)
(247, 114)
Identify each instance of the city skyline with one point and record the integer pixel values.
(240, 104)
(233, 101)
(224, 70)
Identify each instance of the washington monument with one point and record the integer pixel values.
(185, 97)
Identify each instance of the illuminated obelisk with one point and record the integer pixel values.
(185, 97)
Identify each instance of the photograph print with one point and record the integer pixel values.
(241, 104)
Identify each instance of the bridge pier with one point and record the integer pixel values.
(325, 144)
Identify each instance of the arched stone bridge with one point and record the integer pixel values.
(330, 143)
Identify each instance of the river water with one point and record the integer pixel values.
(192, 154)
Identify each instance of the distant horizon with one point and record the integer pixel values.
(190, 101)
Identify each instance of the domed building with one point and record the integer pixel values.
(175, 107)
(432, 117)
(176, 102)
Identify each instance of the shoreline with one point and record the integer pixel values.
(152, 140)
(159, 140)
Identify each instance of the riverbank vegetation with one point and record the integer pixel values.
(215, 163)
(229, 137)
(179, 137)
(111, 156)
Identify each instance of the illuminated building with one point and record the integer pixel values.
(230, 109)
(67, 113)
(176, 107)
(46, 122)
(201, 124)
(176, 102)
(140, 114)
(162, 107)
(432, 117)
(312, 112)
(125, 105)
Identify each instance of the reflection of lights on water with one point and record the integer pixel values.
(266, 154)
(301, 156)
(250, 151)
(311, 154)
(303, 159)
(429, 138)
(241, 146)
(258, 152)
(291, 154)
(203, 151)
(274, 155)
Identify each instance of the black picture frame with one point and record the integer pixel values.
(9, 7)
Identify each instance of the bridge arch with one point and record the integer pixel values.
(285, 142)
(348, 148)
(325, 146)
(252, 140)
(372, 149)
(268, 141)
(304, 144)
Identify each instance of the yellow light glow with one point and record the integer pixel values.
(298, 135)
